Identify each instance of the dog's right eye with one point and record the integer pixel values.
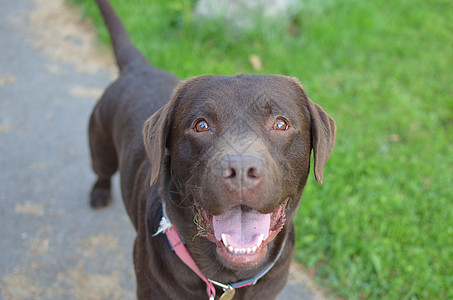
(280, 124)
(201, 126)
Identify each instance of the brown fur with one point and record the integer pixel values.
(181, 164)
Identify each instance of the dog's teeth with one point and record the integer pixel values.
(249, 250)
(260, 240)
(224, 240)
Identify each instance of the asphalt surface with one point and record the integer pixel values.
(53, 245)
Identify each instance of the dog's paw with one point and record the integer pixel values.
(100, 197)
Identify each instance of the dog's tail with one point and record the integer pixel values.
(125, 52)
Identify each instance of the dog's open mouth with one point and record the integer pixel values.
(241, 234)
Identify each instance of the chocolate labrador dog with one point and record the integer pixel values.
(212, 170)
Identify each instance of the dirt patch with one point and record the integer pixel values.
(59, 30)
(19, 286)
(86, 92)
(85, 286)
(89, 246)
(6, 79)
(53, 69)
(38, 165)
(4, 128)
(39, 246)
(72, 283)
(35, 209)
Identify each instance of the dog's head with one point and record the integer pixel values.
(233, 154)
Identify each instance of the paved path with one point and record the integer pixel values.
(53, 246)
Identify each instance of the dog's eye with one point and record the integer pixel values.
(280, 124)
(201, 126)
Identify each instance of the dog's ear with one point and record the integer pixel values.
(323, 131)
(157, 128)
(155, 133)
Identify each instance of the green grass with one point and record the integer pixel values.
(381, 226)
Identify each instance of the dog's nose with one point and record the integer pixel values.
(241, 171)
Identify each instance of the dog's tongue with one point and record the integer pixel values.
(241, 226)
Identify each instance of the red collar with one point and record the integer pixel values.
(182, 252)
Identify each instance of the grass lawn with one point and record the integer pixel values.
(381, 226)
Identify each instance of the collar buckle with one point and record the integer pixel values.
(225, 287)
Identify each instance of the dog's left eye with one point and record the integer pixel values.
(201, 126)
(280, 124)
